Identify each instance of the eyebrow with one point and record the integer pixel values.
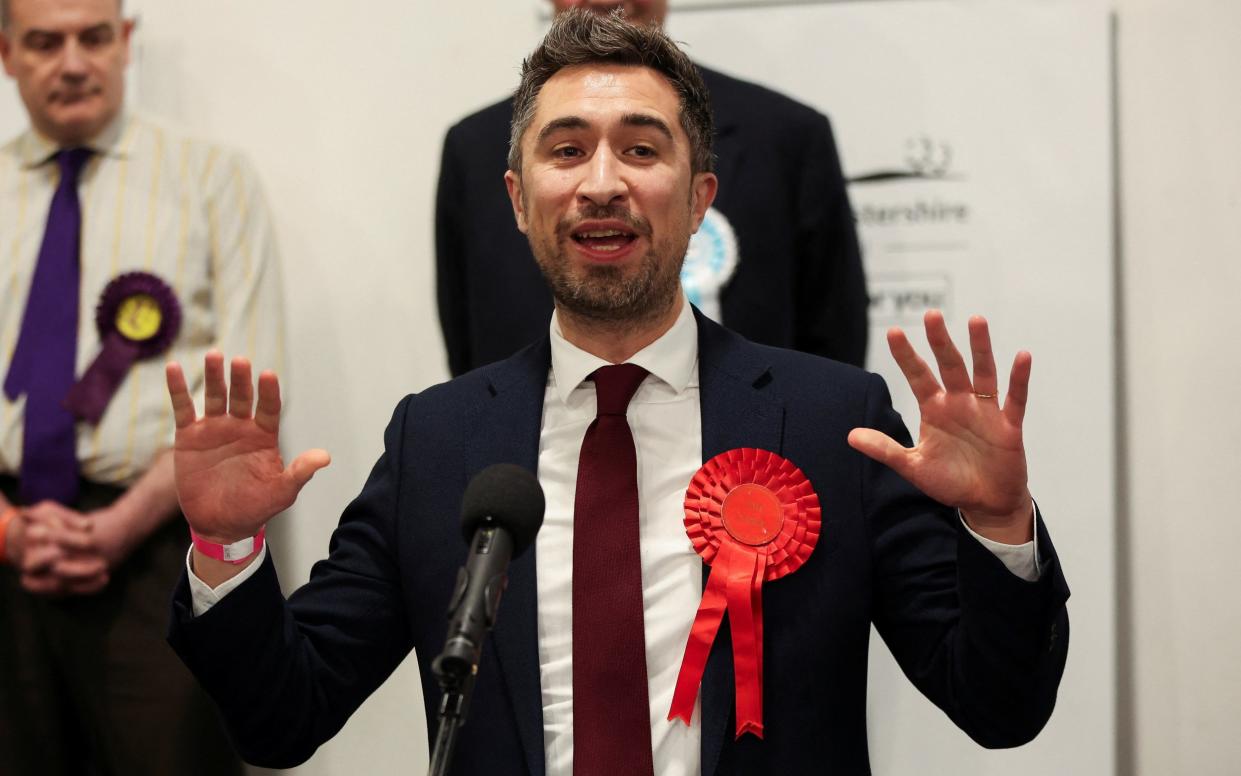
(99, 27)
(646, 120)
(564, 122)
(628, 120)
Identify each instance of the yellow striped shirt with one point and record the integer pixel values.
(157, 201)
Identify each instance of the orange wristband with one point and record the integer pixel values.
(6, 517)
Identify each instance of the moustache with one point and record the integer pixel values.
(636, 224)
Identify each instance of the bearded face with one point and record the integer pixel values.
(606, 194)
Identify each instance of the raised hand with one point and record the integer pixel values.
(970, 452)
(230, 477)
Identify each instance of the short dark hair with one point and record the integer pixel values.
(580, 37)
(5, 14)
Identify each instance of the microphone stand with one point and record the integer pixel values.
(454, 705)
(500, 513)
(471, 614)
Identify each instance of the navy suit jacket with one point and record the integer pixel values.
(985, 646)
(798, 283)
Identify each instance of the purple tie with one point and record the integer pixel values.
(44, 360)
(611, 709)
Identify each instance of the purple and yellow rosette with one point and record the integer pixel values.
(138, 317)
(753, 516)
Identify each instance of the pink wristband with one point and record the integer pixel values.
(237, 552)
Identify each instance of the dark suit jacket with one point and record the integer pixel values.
(985, 646)
(798, 283)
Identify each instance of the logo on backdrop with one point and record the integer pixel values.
(710, 263)
(914, 217)
(924, 159)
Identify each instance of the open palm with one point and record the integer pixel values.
(230, 477)
(970, 452)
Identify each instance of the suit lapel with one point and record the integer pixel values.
(507, 431)
(736, 412)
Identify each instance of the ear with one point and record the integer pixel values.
(512, 182)
(6, 53)
(702, 194)
(127, 32)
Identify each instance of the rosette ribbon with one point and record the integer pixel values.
(753, 517)
(138, 317)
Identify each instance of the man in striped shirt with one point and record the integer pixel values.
(123, 243)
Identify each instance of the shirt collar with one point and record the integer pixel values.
(37, 149)
(672, 358)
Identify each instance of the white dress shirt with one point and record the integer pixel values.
(666, 421)
(665, 417)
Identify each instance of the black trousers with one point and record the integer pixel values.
(88, 685)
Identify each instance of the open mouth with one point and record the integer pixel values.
(604, 240)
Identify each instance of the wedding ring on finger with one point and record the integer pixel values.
(984, 395)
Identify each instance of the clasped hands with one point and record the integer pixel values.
(59, 551)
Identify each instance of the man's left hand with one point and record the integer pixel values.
(970, 452)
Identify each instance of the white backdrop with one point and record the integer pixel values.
(995, 119)
(12, 119)
(343, 114)
(981, 135)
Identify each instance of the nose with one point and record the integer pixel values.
(604, 183)
(73, 64)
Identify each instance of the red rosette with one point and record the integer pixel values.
(753, 516)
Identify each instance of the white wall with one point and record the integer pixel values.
(1015, 98)
(343, 104)
(1180, 108)
(343, 108)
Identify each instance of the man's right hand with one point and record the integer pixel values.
(229, 474)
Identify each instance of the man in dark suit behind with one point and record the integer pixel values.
(610, 174)
(776, 259)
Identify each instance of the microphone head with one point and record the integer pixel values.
(507, 496)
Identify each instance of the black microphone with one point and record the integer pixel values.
(501, 512)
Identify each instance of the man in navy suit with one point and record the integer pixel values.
(776, 259)
(609, 175)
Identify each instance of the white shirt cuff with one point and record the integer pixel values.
(204, 596)
(1021, 559)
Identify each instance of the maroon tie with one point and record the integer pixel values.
(611, 710)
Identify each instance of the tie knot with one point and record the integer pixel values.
(615, 385)
(71, 162)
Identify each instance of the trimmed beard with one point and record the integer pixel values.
(608, 294)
